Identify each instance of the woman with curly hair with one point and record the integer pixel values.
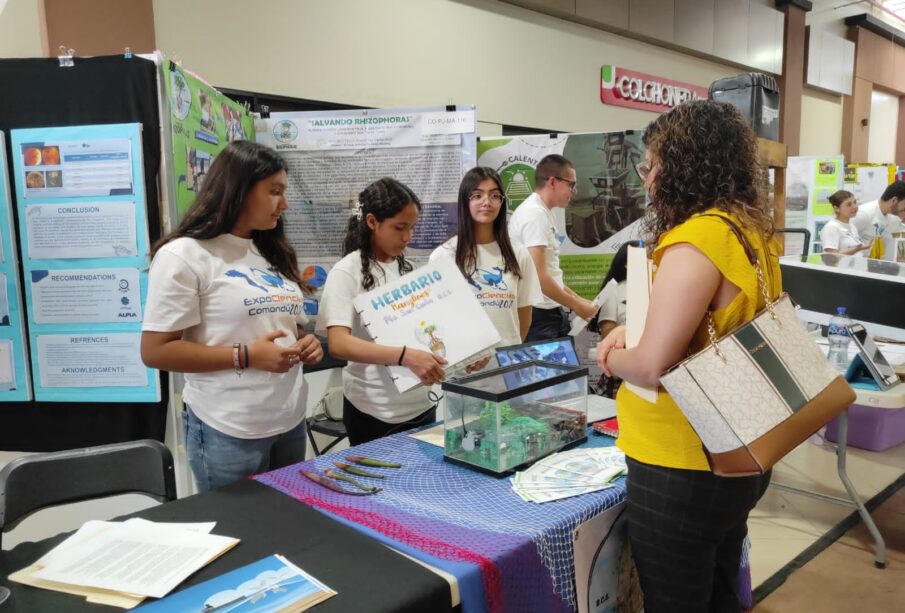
(685, 524)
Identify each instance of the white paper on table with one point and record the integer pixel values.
(638, 277)
(141, 559)
(200, 527)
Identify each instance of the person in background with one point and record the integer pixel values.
(532, 226)
(501, 274)
(224, 307)
(877, 221)
(612, 309)
(838, 236)
(686, 525)
(373, 249)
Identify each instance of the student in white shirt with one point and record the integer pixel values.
(373, 255)
(838, 235)
(612, 310)
(532, 226)
(881, 218)
(501, 273)
(224, 307)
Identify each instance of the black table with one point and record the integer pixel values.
(367, 575)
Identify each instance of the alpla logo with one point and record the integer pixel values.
(631, 89)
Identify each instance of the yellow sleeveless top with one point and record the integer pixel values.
(657, 433)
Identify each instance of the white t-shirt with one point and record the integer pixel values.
(839, 235)
(870, 223)
(219, 292)
(500, 292)
(368, 386)
(532, 225)
(613, 307)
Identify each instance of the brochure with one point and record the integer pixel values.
(432, 309)
(271, 584)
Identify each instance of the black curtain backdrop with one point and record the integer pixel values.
(38, 93)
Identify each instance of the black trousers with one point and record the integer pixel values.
(686, 529)
(361, 427)
(547, 324)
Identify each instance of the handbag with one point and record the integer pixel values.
(759, 391)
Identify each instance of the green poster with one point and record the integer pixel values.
(827, 175)
(202, 122)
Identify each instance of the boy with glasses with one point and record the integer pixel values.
(532, 225)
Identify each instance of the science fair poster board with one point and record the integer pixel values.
(868, 181)
(608, 202)
(605, 209)
(84, 235)
(15, 383)
(333, 156)
(810, 180)
(199, 123)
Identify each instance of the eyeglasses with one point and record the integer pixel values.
(494, 197)
(571, 184)
(643, 169)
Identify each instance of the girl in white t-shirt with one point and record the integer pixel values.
(839, 235)
(501, 273)
(224, 307)
(373, 255)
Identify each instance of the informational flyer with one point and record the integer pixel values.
(91, 360)
(333, 156)
(87, 245)
(76, 168)
(810, 181)
(89, 230)
(608, 202)
(201, 122)
(15, 383)
(86, 295)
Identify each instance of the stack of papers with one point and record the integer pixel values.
(121, 563)
(570, 473)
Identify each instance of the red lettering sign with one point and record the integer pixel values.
(637, 90)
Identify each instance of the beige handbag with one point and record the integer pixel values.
(759, 391)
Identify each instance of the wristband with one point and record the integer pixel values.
(246, 355)
(401, 355)
(237, 363)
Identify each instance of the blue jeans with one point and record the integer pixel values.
(218, 459)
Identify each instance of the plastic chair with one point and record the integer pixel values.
(42, 480)
(323, 424)
(804, 231)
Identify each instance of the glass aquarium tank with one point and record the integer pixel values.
(503, 419)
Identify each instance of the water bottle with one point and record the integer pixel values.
(837, 335)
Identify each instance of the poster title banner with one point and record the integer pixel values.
(637, 90)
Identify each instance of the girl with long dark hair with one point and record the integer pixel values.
(224, 307)
(501, 274)
(377, 235)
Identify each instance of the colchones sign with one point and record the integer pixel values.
(637, 90)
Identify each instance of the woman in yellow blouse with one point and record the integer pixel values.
(687, 525)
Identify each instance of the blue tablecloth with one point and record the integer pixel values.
(507, 554)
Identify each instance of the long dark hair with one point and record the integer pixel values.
(619, 266)
(384, 198)
(466, 249)
(233, 174)
(706, 156)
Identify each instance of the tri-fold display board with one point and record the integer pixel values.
(83, 232)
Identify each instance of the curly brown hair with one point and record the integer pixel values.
(706, 157)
